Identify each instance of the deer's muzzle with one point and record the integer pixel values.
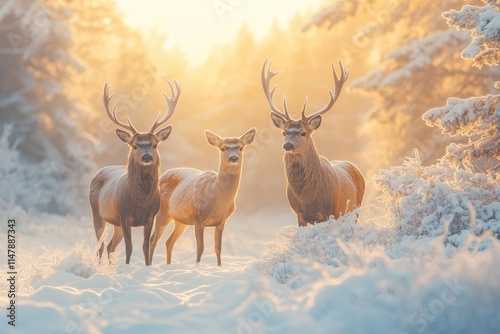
(288, 146)
(147, 158)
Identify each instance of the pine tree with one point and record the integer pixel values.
(420, 67)
(477, 118)
(36, 65)
(447, 198)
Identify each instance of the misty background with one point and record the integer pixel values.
(55, 56)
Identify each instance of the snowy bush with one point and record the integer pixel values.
(294, 258)
(423, 201)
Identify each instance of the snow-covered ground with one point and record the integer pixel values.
(335, 277)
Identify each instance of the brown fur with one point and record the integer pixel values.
(317, 188)
(203, 199)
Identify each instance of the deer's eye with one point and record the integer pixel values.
(155, 146)
(303, 134)
(222, 149)
(241, 148)
(284, 133)
(135, 147)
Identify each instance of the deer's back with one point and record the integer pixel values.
(349, 185)
(184, 191)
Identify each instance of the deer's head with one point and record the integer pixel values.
(297, 132)
(231, 148)
(143, 145)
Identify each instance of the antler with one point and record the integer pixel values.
(339, 82)
(266, 75)
(171, 102)
(112, 114)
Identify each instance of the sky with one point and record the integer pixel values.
(196, 26)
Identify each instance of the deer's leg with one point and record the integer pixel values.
(169, 244)
(199, 230)
(218, 241)
(145, 244)
(99, 225)
(127, 235)
(117, 237)
(161, 223)
(301, 221)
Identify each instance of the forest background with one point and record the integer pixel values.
(55, 57)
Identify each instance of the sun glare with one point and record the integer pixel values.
(197, 26)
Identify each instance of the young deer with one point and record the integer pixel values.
(316, 188)
(127, 196)
(203, 199)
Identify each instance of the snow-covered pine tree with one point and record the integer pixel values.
(429, 201)
(35, 65)
(477, 118)
(416, 65)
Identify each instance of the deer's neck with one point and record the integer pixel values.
(228, 180)
(304, 172)
(143, 181)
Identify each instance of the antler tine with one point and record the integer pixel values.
(339, 82)
(106, 98)
(171, 102)
(304, 108)
(266, 75)
(284, 105)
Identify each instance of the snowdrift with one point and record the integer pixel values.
(425, 260)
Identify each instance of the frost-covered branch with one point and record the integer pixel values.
(413, 59)
(483, 23)
(477, 118)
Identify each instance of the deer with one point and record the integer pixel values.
(203, 199)
(316, 188)
(129, 196)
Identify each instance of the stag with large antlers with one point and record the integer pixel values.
(129, 196)
(316, 187)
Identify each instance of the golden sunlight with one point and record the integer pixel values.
(198, 26)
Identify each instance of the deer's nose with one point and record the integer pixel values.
(233, 159)
(288, 146)
(147, 157)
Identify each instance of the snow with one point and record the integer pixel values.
(335, 277)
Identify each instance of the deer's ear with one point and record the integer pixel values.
(123, 135)
(249, 136)
(163, 134)
(213, 139)
(315, 122)
(278, 121)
